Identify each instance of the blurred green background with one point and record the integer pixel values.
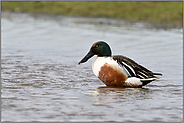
(165, 13)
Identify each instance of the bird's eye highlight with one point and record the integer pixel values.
(96, 45)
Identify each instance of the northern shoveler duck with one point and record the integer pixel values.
(117, 70)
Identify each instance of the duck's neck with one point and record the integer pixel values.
(106, 52)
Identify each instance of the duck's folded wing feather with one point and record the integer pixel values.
(133, 69)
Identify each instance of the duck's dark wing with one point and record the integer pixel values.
(133, 69)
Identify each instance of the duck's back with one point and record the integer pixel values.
(133, 69)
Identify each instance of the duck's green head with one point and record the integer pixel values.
(101, 49)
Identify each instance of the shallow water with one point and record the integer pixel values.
(41, 80)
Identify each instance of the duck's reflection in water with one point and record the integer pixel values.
(105, 95)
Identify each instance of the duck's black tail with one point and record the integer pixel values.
(157, 74)
(146, 81)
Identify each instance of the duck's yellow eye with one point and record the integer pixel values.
(97, 45)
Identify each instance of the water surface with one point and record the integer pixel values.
(41, 80)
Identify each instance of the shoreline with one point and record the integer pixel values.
(164, 15)
(98, 21)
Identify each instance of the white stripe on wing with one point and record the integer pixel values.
(130, 68)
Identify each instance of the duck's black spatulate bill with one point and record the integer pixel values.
(88, 56)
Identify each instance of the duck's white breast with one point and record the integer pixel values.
(98, 62)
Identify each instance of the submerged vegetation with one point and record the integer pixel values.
(168, 13)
